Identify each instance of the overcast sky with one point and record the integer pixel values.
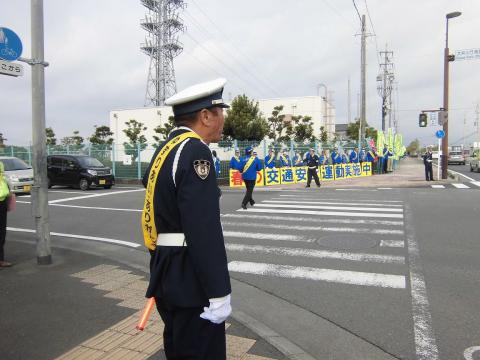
(265, 49)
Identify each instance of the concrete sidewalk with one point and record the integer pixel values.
(86, 307)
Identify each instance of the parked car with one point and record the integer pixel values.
(456, 157)
(79, 171)
(19, 174)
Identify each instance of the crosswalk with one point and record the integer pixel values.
(294, 237)
(469, 185)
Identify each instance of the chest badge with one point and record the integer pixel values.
(202, 168)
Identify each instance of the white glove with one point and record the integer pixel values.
(429, 160)
(218, 311)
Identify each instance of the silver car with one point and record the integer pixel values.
(19, 174)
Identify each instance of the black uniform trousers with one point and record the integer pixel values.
(249, 184)
(3, 227)
(428, 171)
(312, 173)
(186, 336)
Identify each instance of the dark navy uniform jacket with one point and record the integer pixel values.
(188, 276)
(311, 161)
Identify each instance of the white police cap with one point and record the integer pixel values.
(197, 97)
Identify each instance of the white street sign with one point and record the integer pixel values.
(467, 54)
(9, 68)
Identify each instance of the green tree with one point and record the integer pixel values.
(164, 130)
(74, 142)
(352, 130)
(51, 139)
(101, 136)
(323, 134)
(244, 121)
(133, 133)
(414, 146)
(303, 130)
(276, 123)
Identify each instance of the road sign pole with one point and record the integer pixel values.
(439, 157)
(39, 189)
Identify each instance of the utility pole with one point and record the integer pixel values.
(384, 86)
(363, 87)
(349, 113)
(39, 189)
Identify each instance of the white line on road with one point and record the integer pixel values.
(313, 253)
(425, 343)
(262, 236)
(329, 275)
(323, 213)
(384, 188)
(358, 189)
(355, 208)
(358, 200)
(476, 183)
(87, 207)
(321, 202)
(313, 228)
(461, 186)
(438, 186)
(392, 243)
(93, 195)
(312, 219)
(85, 237)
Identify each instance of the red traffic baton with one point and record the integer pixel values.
(146, 314)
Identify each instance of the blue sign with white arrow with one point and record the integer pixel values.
(10, 45)
(440, 134)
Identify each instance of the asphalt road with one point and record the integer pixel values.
(397, 268)
(465, 170)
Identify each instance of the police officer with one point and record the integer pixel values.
(235, 160)
(181, 226)
(249, 165)
(312, 162)
(270, 159)
(427, 162)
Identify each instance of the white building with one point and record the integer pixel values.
(322, 113)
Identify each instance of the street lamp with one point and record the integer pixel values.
(446, 59)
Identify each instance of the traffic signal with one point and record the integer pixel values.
(422, 120)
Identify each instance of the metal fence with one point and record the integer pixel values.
(131, 162)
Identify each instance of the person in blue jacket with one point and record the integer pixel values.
(362, 156)
(270, 159)
(386, 154)
(345, 159)
(285, 160)
(370, 156)
(216, 162)
(249, 165)
(354, 158)
(235, 160)
(336, 157)
(323, 159)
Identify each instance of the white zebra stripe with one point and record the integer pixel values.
(328, 275)
(327, 203)
(438, 186)
(324, 213)
(392, 243)
(382, 201)
(461, 186)
(353, 208)
(313, 253)
(310, 219)
(262, 236)
(313, 228)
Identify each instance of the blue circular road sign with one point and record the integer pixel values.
(10, 45)
(440, 134)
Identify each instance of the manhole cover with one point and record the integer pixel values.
(347, 242)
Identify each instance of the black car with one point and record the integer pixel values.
(78, 170)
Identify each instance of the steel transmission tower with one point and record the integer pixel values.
(163, 25)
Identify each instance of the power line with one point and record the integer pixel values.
(236, 48)
(374, 33)
(231, 55)
(221, 62)
(358, 13)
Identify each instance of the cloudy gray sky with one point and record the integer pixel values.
(266, 48)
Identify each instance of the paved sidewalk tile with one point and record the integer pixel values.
(123, 340)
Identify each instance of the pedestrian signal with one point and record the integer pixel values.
(422, 120)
